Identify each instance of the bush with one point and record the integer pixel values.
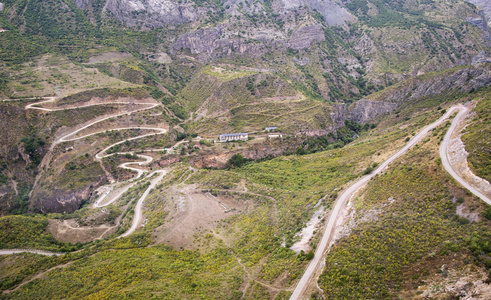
(487, 213)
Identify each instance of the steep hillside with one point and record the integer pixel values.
(337, 51)
(110, 116)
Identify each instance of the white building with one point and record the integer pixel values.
(230, 137)
(272, 128)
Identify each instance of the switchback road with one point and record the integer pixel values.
(347, 194)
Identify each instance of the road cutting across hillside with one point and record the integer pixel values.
(103, 154)
(347, 195)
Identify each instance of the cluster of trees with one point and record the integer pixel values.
(343, 136)
(33, 147)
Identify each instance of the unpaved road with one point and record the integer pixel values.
(347, 194)
(138, 208)
(444, 148)
(15, 251)
(102, 154)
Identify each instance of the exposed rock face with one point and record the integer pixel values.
(333, 13)
(304, 36)
(362, 111)
(366, 110)
(199, 41)
(210, 43)
(81, 3)
(153, 13)
(481, 58)
(1, 6)
(302, 62)
(63, 201)
(485, 6)
(217, 42)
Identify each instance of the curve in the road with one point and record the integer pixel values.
(138, 208)
(103, 153)
(444, 147)
(347, 194)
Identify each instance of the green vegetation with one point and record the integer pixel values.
(32, 145)
(375, 259)
(138, 93)
(21, 232)
(159, 272)
(236, 161)
(477, 137)
(16, 268)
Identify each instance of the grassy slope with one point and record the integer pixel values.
(477, 139)
(20, 232)
(295, 184)
(420, 228)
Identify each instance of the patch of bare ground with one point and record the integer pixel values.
(446, 278)
(458, 158)
(192, 211)
(109, 56)
(70, 231)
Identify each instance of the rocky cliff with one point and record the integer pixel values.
(152, 14)
(460, 80)
(62, 201)
(485, 6)
(463, 79)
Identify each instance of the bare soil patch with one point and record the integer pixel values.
(194, 211)
(109, 56)
(70, 231)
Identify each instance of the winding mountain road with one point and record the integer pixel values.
(348, 194)
(103, 154)
(444, 148)
(138, 208)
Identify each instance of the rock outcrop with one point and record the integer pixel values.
(61, 201)
(362, 111)
(304, 36)
(485, 7)
(217, 42)
(152, 14)
(334, 14)
(211, 43)
(1, 6)
(462, 80)
(81, 3)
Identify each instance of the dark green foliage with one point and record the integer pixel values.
(3, 179)
(237, 161)
(178, 110)
(157, 94)
(487, 213)
(181, 136)
(345, 135)
(33, 147)
(24, 232)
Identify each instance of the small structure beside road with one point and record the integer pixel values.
(231, 137)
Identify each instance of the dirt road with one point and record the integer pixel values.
(15, 251)
(444, 149)
(346, 196)
(138, 208)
